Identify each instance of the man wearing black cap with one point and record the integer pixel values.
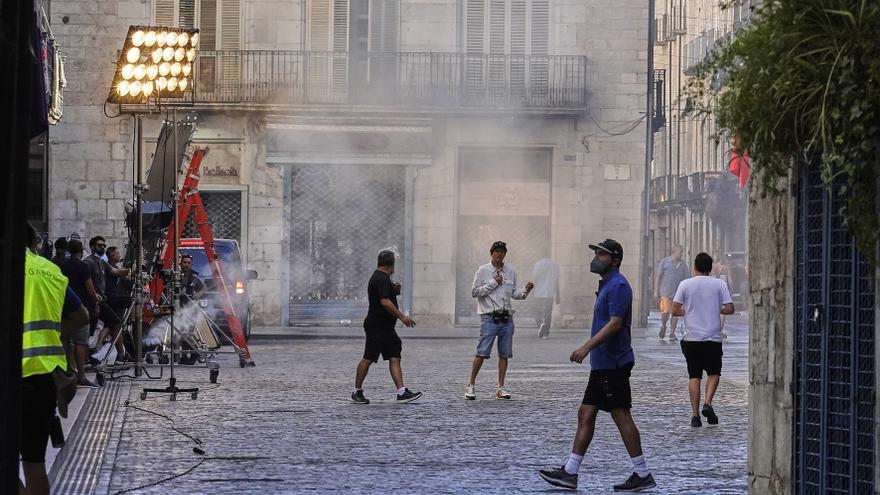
(495, 285)
(611, 360)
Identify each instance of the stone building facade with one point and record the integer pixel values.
(338, 128)
(695, 201)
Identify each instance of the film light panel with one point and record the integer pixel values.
(155, 62)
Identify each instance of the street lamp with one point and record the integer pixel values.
(155, 62)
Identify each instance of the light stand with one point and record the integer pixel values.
(174, 291)
(139, 263)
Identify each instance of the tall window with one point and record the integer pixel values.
(517, 31)
(506, 26)
(356, 33)
(219, 23)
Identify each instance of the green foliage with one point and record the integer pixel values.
(801, 87)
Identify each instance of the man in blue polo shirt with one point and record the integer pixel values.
(611, 360)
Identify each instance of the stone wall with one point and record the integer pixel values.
(771, 346)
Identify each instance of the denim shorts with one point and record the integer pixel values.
(489, 330)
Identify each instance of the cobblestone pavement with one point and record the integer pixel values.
(287, 426)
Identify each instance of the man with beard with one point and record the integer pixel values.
(611, 361)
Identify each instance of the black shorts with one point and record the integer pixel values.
(609, 389)
(700, 356)
(384, 341)
(105, 314)
(37, 410)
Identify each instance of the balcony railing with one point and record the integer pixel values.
(416, 79)
(682, 190)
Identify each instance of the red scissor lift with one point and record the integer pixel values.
(190, 200)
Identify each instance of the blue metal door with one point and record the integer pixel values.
(834, 449)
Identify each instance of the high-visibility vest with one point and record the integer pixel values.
(44, 290)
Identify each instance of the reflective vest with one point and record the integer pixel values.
(44, 290)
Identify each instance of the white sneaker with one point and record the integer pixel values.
(501, 393)
(469, 393)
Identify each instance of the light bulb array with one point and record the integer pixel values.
(155, 62)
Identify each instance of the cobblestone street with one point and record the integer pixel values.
(287, 426)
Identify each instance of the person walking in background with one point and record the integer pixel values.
(611, 361)
(720, 270)
(495, 286)
(670, 272)
(546, 277)
(702, 300)
(382, 339)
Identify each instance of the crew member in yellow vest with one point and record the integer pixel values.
(46, 300)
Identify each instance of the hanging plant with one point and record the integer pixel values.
(800, 87)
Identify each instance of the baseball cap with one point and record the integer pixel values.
(611, 247)
(498, 245)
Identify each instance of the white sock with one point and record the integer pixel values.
(401, 390)
(574, 463)
(640, 466)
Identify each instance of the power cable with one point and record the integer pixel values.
(197, 449)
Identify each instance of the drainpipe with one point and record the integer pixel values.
(644, 303)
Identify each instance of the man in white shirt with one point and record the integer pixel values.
(495, 286)
(702, 300)
(546, 273)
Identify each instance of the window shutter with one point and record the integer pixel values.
(319, 25)
(475, 40)
(228, 39)
(517, 27)
(229, 36)
(384, 20)
(207, 25)
(497, 28)
(517, 48)
(540, 27)
(206, 68)
(164, 12)
(475, 18)
(340, 48)
(187, 14)
(540, 41)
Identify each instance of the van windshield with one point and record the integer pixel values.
(230, 261)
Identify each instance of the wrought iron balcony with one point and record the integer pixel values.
(414, 80)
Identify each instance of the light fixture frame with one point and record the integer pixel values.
(145, 58)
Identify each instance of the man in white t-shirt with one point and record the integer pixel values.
(702, 300)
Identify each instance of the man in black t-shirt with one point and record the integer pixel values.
(79, 279)
(381, 336)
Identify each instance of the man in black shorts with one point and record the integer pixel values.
(382, 339)
(702, 300)
(611, 361)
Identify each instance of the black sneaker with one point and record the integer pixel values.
(358, 397)
(711, 417)
(86, 383)
(560, 477)
(695, 422)
(636, 483)
(408, 396)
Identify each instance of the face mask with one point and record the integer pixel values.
(599, 266)
(66, 255)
